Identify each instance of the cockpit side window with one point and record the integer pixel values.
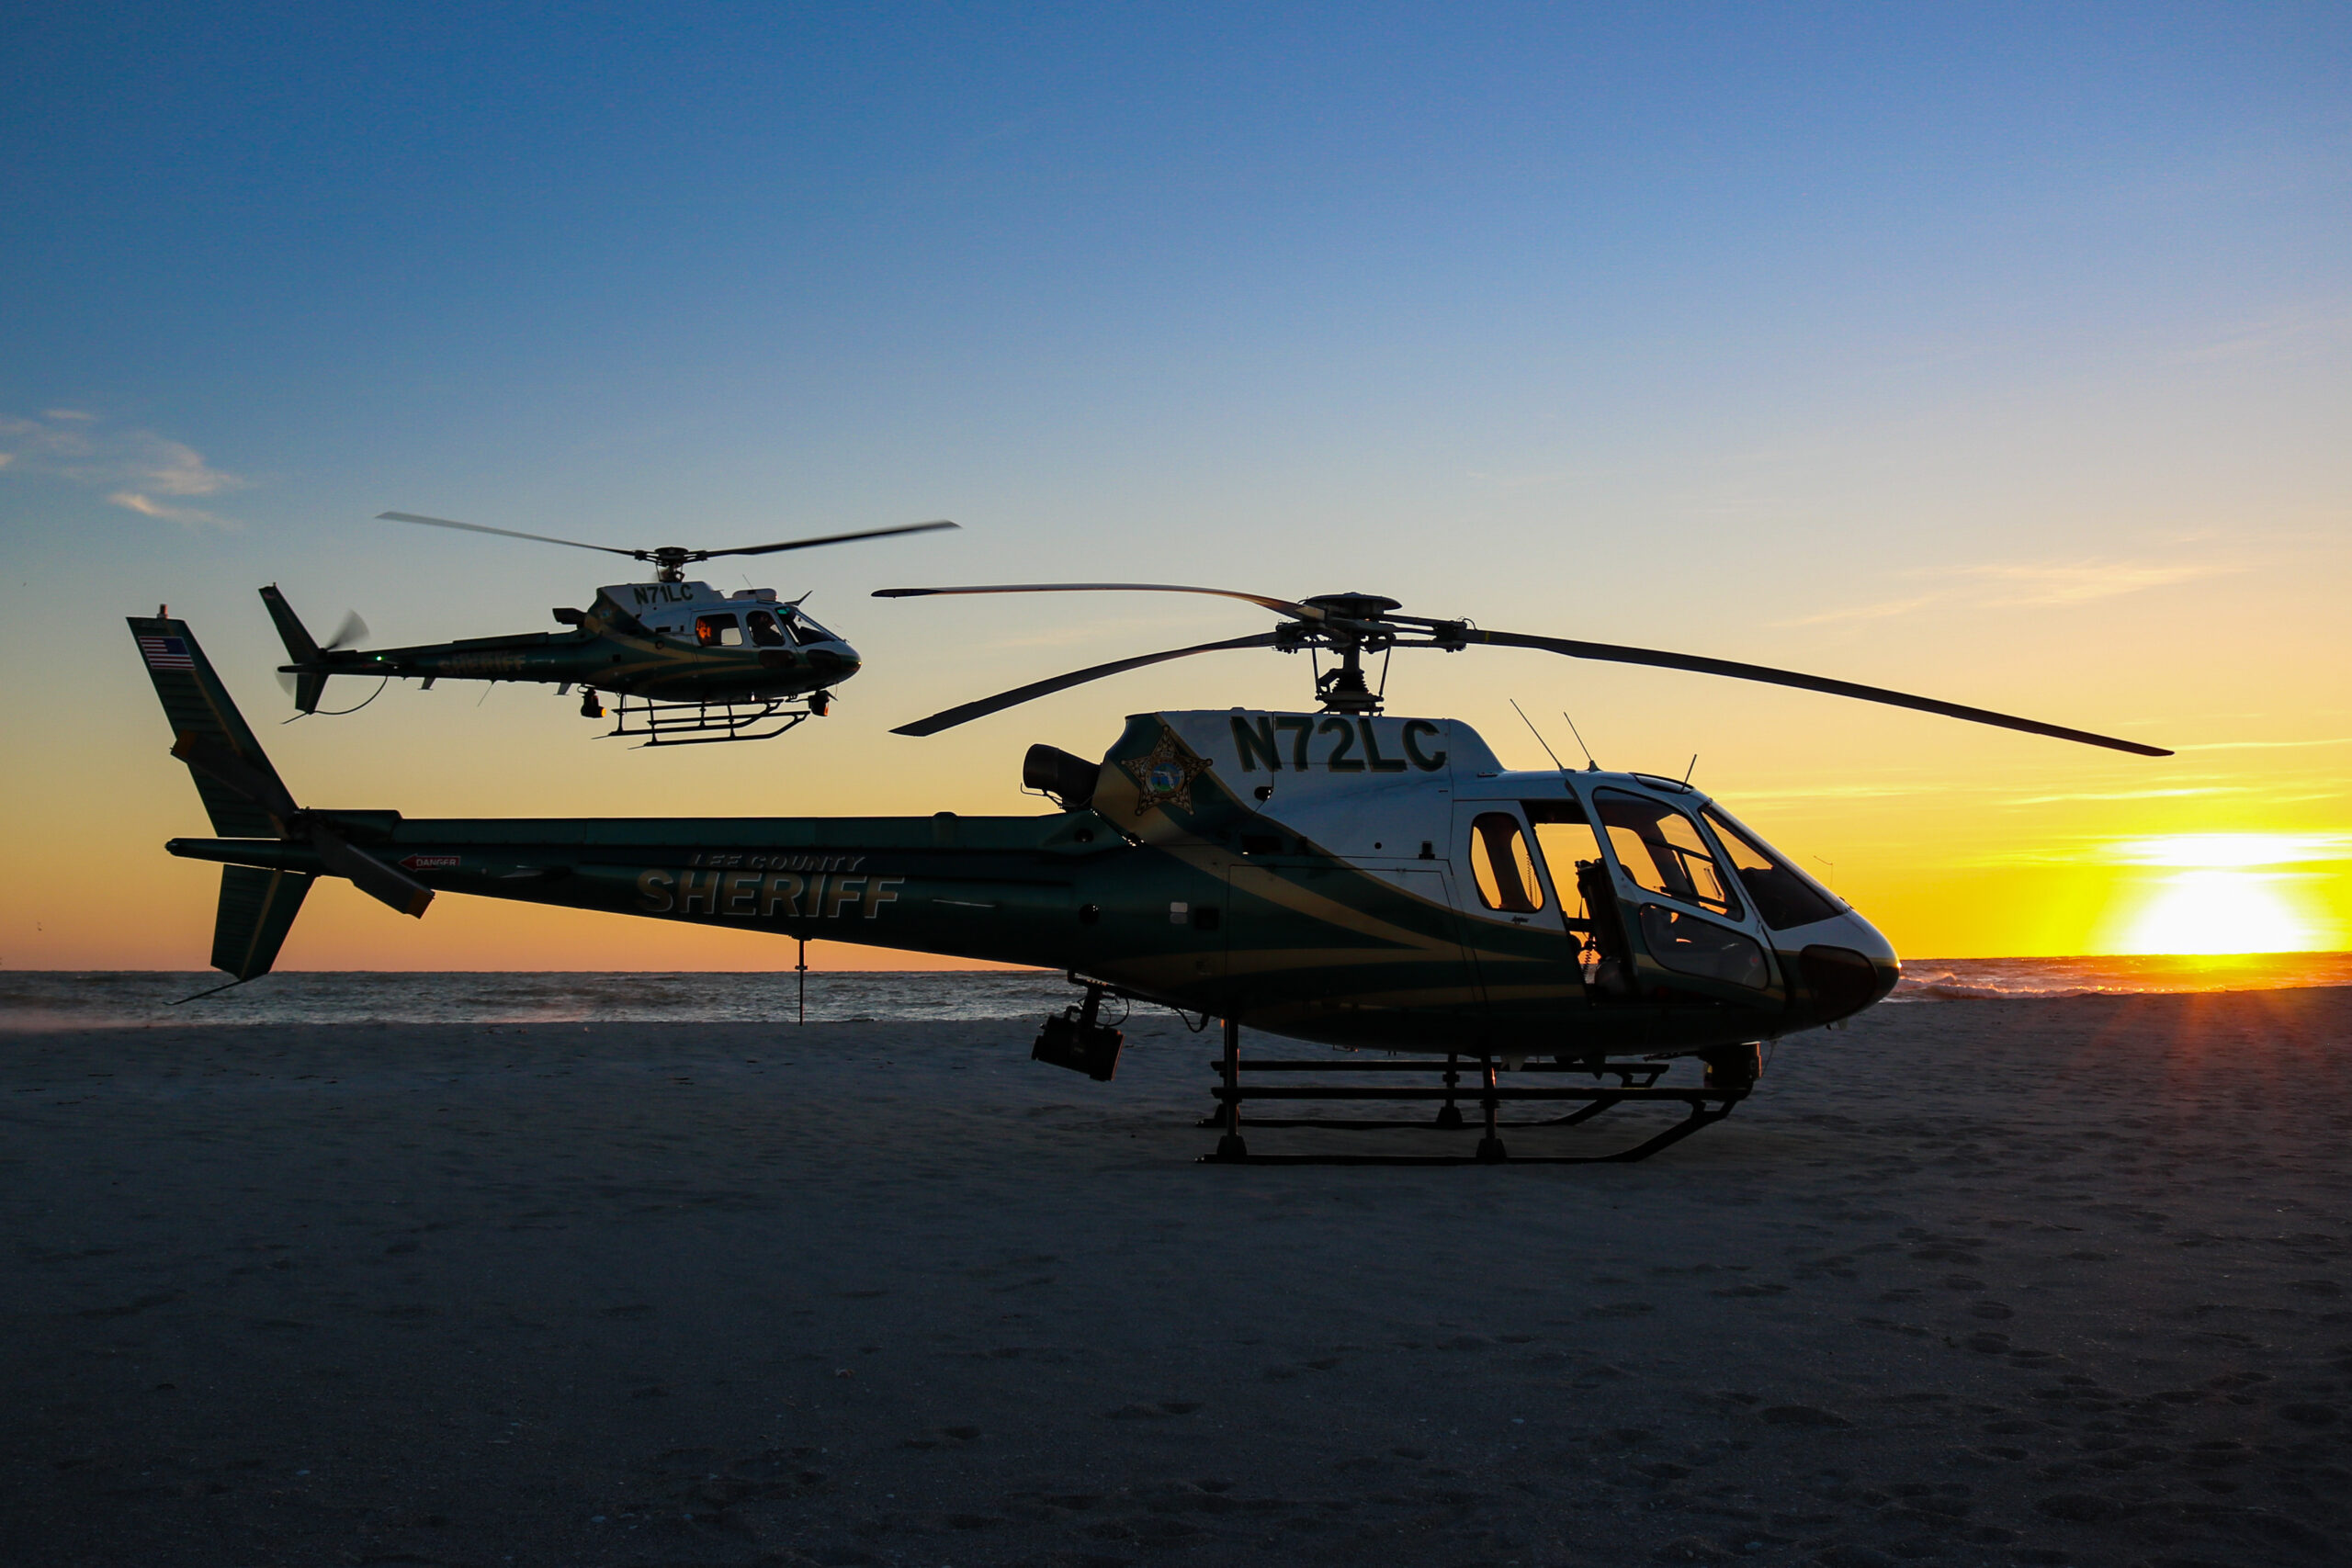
(1502, 865)
(764, 631)
(718, 631)
(1661, 850)
(1783, 895)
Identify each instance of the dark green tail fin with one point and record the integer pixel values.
(256, 906)
(310, 685)
(198, 704)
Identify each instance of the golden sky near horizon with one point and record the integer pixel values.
(1956, 840)
(2002, 355)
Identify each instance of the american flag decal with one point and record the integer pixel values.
(167, 653)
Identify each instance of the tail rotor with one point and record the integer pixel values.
(305, 677)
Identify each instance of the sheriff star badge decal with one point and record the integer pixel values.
(1164, 775)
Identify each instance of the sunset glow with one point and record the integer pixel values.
(2220, 911)
(2228, 896)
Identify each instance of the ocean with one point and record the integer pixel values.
(68, 1000)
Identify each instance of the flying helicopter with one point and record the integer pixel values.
(682, 662)
(1560, 938)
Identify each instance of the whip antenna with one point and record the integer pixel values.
(1590, 765)
(1538, 734)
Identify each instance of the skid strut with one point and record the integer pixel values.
(1728, 1083)
(700, 723)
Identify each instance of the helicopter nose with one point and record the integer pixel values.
(837, 663)
(1845, 965)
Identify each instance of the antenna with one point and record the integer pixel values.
(1538, 734)
(1689, 770)
(1591, 766)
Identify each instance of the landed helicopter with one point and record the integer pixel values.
(682, 662)
(1340, 876)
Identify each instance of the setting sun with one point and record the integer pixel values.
(2229, 894)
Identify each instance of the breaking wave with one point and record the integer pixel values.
(1998, 979)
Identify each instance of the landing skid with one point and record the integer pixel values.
(1637, 1084)
(701, 724)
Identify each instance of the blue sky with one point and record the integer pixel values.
(555, 257)
(1981, 348)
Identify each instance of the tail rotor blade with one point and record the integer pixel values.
(1699, 664)
(353, 631)
(387, 884)
(966, 712)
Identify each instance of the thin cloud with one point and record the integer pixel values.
(1865, 612)
(1995, 585)
(2263, 745)
(2129, 794)
(2078, 582)
(130, 500)
(1800, 793)
(2233, 848)
(134, 466)
(2293, 336)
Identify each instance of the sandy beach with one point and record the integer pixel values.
(1975, 1282)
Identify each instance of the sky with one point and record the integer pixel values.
(1999, 352)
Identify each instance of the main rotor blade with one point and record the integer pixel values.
(505, 533)
(1703, 666)
(1279, 606)
(385, 884)
(952, 717)
(829, 539)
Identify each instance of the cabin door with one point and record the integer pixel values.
(1515, 928)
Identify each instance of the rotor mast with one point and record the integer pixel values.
(1352, 626)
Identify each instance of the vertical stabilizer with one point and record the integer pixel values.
(310, 685)
(257, 908)
(197, 704)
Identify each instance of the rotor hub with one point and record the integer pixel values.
(1353, 606)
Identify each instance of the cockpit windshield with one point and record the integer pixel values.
(804, 628)
(1784, 896)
